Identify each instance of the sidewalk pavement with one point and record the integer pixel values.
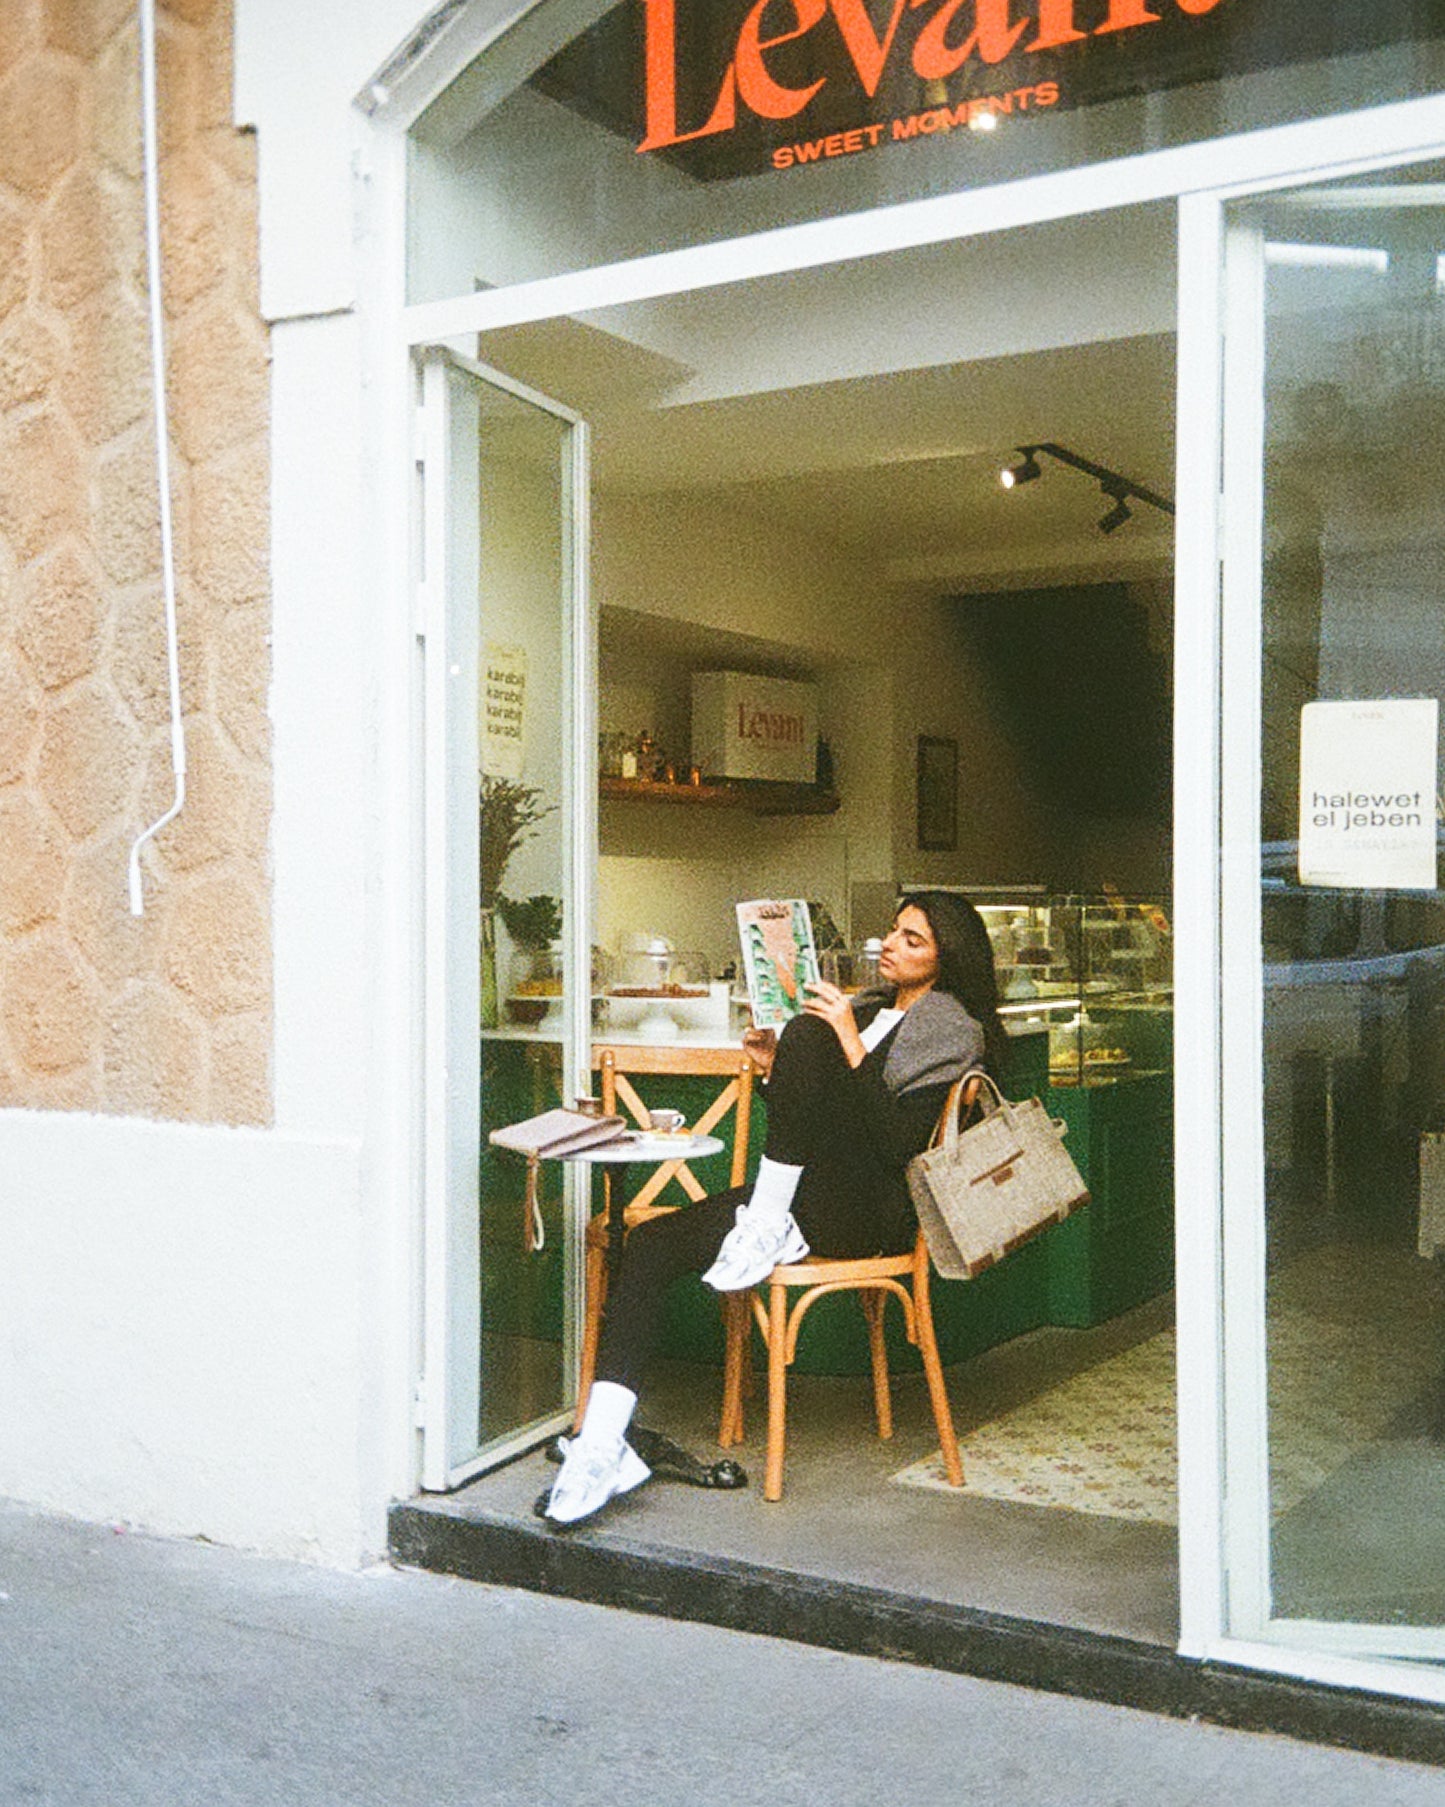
(141, 1672)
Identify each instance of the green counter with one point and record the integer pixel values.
(1113, 1254)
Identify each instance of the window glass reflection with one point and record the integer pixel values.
(1354, 979)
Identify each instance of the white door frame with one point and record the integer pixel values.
(1201, 177)
(1280, 154)
(452, 633)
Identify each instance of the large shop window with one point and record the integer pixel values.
(590, 132)
(1336, 1200)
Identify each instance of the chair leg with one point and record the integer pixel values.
(735, 1314)
(937, 1392)
(594, 1291)
(873, 1303)
(777, 1390)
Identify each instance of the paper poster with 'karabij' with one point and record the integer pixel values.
(1368, 780)
(504, 710)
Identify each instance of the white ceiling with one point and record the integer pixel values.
(871, 406)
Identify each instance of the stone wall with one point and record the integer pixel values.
(168, 1015)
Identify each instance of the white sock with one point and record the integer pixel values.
(773, 1190)
(609, 1412)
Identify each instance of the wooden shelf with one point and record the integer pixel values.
(758, 796)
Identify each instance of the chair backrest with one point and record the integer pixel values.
(619, 1064)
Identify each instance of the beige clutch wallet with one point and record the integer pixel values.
(548, 1138)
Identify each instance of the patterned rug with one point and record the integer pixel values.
(1104, 1441)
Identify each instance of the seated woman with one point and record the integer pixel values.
(854, 1091)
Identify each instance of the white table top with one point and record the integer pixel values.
(638, 1146)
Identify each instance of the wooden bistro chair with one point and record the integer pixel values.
(618, 1067)
(874, 1278)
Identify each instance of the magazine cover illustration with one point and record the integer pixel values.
(779, 958)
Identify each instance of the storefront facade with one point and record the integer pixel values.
(422, 197)
(1234, 278)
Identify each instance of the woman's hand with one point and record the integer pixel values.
(760, 1045)
(836, 1009)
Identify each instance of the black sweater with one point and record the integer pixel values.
(900, 1090)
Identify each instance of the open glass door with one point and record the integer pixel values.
(510, 832)
(1333, 923)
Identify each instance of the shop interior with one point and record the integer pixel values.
(799, 480)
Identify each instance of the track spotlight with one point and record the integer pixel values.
(1117, 515)
(1120, 490)
(1021, 473)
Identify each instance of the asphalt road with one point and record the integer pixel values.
(145, 1671)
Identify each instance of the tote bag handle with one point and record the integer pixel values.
(963, 1095)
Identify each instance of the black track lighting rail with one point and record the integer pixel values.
(1119, 489)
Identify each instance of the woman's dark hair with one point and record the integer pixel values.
(965, 965)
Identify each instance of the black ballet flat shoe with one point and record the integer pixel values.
(670, 1462)
(726, 1474)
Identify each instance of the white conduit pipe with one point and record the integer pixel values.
(151, 163)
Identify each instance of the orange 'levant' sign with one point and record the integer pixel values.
(954, 33)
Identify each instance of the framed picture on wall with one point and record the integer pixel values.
(937, 794)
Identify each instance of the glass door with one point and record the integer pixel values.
(1333, 921)
(509, 854)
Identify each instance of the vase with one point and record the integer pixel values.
(489, 1011)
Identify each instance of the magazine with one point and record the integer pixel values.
(779, 958)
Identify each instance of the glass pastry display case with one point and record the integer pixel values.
(657, 992)
(1095, 972)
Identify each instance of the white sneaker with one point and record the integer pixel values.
(590, 1476)
(752, 1249)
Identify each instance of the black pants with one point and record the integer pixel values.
(849, 1202)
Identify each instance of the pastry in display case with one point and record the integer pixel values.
(534, 989)
(660, 972)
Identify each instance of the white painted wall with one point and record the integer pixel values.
(211, 1331)
(890, 667)
(182, 1328)
(324, 614)
(1067, 283)
(298, 70)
